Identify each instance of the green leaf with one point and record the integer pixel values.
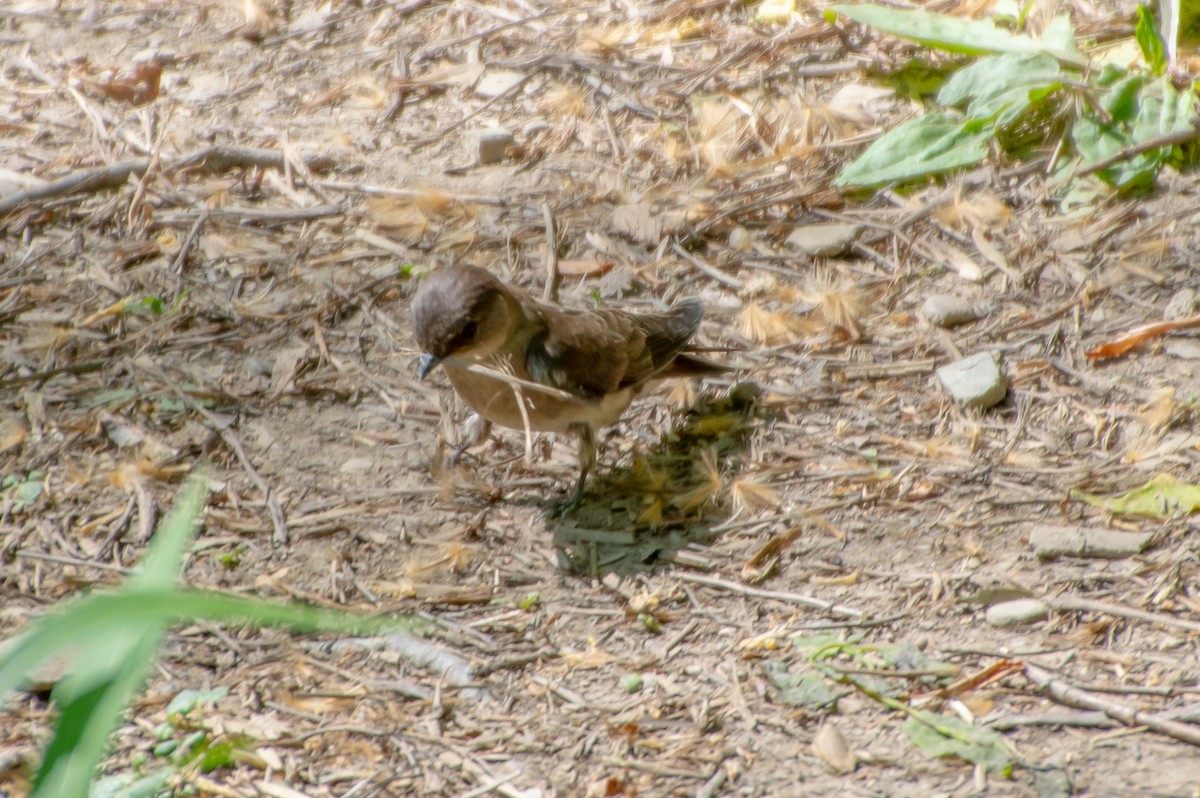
(95, 691)
(1149, 42)
(1059, 38)
(920, 147)
(187, 700)
(808, 690)
(130, 785)
(943, 735)
(1142, 111)
(1003, 86)
(949, 33)
(1165, 496)
(101, 615)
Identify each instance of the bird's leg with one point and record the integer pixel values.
(587, 462)
(476, 430)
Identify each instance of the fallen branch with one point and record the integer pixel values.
(1078, 604)
(1073, 696)
(212, 160)
(778, 595)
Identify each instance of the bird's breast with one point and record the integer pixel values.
(496, 401)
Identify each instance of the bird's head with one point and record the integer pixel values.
(462, 312)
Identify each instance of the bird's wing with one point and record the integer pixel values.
(592, 353)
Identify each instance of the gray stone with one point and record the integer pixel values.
(356, 465)
(824, 240)
(975, 381)
(1181, 305)
(496, 82)
(1051, 541)
(947, 310)
(493, 144)
(1016, 613)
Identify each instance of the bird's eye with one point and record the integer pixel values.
(468, 331)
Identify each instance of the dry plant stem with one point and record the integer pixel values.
(778, 595)
(264, 216)
(406, 193)
(1073, 696)
(520, 397)
(97, 178)
(713, 272)
(181, 259)
(280, 536)
(1079, 604)
(517, 382)
(553, 277)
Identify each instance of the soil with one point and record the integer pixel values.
(249, 313)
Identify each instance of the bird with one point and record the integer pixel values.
(526, 364)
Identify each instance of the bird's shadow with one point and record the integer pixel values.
(638, 517)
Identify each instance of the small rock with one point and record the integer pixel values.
(1073, 541)
(496, 82)
(947, 310)
(356, 465)
(639, 222)
(975, 381)
(1182, 305)
(534, 127)
(824, 240)
(493, 144)
(1182, 348)
(739, 239)
(1016, 613)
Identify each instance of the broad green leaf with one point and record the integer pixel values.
(1165, 496)
(92, 695)
(106, 614)
(1142, 111)
(131, 785)
(944, 735)
(918, 148)
(950, 33)
(1002, 86)
(907, 656)
(1149, 42)
(1059, 38)
(809, 690)
(187, 700)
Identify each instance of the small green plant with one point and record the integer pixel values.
(847, 661)
(1020, 92)
(24, 490)
(113, 638)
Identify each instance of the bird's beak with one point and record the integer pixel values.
(426, 364)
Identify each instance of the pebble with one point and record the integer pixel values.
(356, 465)
(493, 144)
(496, 82)
(739, 239)
(1017, 613)
(824, 240)
(1050, 541)
(975, 381)
(1181, 305)
(947, 310)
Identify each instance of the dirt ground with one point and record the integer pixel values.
(224, 310)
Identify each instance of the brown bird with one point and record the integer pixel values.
(575, 370)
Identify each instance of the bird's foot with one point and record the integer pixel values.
(476, 430)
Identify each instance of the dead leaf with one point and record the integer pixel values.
(638, 222)
(12, 434)
(138, 86)
(1146, 332)
(831, 747)
(583, 268)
